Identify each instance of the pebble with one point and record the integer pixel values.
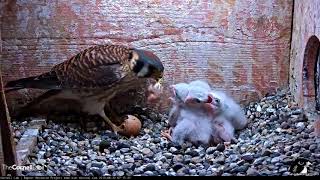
(248, 157)
(177, 166)
(146, 151)
(252, 172)
(150, 167)
(221, 147)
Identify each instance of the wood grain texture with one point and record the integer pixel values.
(8, 155)
(241, 46)
(306, 28)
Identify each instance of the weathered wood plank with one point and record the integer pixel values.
(7, 143)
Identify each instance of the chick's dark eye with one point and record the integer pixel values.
(197, 100)
(217, 100)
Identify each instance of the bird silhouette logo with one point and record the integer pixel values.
(300, 166)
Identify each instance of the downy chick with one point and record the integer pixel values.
(194, 125)
(228, 108)
(179, 94)
(186, 110)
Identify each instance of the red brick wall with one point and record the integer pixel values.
(305, 41)
(241, 46)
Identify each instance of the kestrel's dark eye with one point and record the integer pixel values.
(130, 55)
(217, 101)
(197, 100)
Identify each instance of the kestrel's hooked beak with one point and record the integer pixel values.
(158, 84)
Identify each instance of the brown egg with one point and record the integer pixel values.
(131, 126)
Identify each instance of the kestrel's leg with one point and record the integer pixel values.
(114, 127)
(167, 134)
(113, 115)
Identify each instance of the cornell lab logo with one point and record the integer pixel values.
(299, 166)
(25, 168)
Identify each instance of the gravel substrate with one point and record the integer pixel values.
(278, 132)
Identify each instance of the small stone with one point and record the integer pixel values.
(150, 167)
(192, 171)
(96, 141)
(210, 150)
(283, 169)
(177, 166)
(285, 125)
(258, 109)
(286, 174)
(226, 174)
(50, 173)
(296, 112)
(65, 157)
(137, 157)
(248, 157)
(173, 150)
(149, 173)
(196, 160)
(156, 140)
(111, 168)
(124, 150)
(73, 145)
(266, 152)
(287, 148)
(252, 172)
(104, 145)
(202, 172)
(233, 165)
(275, 160)
(313, 147)
(233, 157)
(300, 125)
(220, 160)
(123, 145)
(73, 167)
(129, 166)
(178, 158)
(56, 160)
(221, 147)
(47, 154)
(130, 160)
(17, 134)
(306, 153)
(168, 155)
(193, 153)
(97, 164)
(146, 151)
(41, 161)
(96, 171)
(297, 144)
(243, 168)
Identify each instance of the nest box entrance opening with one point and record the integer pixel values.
(311, 74)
